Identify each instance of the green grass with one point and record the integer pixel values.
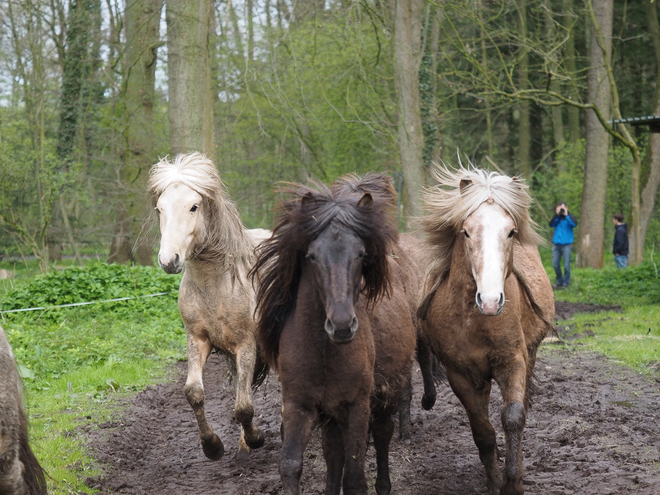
(632, 336)
(77, 361)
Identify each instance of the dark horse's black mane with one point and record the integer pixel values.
(308, 212)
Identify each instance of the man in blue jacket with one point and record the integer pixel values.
(620, 245)
(563, 222)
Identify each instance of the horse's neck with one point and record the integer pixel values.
(231, 251)
(213, 277)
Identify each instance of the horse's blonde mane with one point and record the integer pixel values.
(456, 196)
(225, 240)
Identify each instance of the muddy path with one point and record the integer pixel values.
(594, 429)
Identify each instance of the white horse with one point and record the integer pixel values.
(202, 234)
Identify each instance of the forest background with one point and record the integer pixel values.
(93, 92)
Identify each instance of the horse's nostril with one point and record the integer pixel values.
(479, 301)
(176, 259)
(501, 301)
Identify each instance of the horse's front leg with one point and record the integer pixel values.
(251, 437)
(198, 352)
(513, 384)
(333, 451)
(475, 401)
(382, 428)
(355, 432)
(297, 425)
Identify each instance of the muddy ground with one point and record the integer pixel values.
(594, 429)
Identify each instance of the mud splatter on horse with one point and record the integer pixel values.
(488, 304)
(203, 235)
(335, 320)
(20, 471)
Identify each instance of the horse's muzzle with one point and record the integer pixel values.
(172, 266)
(490, 307)
(341, 333)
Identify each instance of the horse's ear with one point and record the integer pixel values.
(463, 184)
(517, 181)
(307, 201)
(366, 201)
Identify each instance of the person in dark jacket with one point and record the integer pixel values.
(620, 246)
(563, 222)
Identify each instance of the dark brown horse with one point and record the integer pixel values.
(488, 304)
(20, 472)
(335, 321)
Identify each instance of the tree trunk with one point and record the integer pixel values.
(484, 61)
(407, 57)
(77, 69)
(568, 21)
(591, 237)
(524, 127)
(653, 182)
(142, 19)
(636, 254)
(189, 80)
(556, 111)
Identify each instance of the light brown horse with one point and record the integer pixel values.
(488, 304)
(20, 471)
(202, 234)
(335, 320)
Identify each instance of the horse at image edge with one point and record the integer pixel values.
(20, 471)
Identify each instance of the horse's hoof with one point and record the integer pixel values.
(242, 454)
(512, 488)
(256, 440)
(428, 401)
(213, 448)
(383, 488)
(405, 435)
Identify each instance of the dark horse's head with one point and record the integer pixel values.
(341, 235)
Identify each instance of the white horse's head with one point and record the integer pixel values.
(182, 190)
(181, 222)
(489, 234)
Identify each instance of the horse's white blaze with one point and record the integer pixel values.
(178, 224)
(490, 226)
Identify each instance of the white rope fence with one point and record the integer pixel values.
(86, 303)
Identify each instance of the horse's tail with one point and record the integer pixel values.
(261, 370)
(34, 475)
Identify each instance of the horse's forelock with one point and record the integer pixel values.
(194, 170)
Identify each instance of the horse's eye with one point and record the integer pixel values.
(194, 208)
(467, 236)
(362, 255)
(512, 233)
(311, 256)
